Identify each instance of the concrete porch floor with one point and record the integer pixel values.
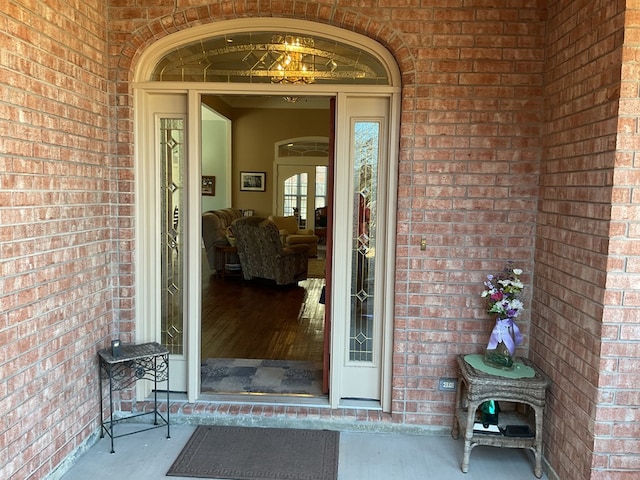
(372, 456)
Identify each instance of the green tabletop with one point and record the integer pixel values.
(520, 370)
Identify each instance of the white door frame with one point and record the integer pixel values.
(145, 269)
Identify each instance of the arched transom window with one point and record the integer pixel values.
(270, 57)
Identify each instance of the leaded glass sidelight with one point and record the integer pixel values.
(172, 160)
(366, 143)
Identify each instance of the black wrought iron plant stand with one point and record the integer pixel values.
(148, 361)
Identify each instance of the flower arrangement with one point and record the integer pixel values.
(502, 293)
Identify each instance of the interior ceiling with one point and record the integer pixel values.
(274, 101)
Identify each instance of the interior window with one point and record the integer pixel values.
(295, 198)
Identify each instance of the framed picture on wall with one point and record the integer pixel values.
(253, 181)
(208, 186)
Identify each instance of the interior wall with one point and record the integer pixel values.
(215, 154)
(255, 132)
(572, 336)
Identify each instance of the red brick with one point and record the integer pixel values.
(478, 124)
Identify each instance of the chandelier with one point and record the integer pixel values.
(295, 61)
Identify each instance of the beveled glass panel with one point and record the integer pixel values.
(172, 160)
(270, 57)
(366, 143)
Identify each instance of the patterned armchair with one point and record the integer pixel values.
(262, 254)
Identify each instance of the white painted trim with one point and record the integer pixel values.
(311, 90)
(341, 243)
(144, 271)
(193, 271)
(389, 277)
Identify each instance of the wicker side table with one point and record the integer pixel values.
(476, 387)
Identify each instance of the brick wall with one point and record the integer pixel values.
(56, 230)
(472, 118)
(468, 185)
(617, 426)
(585, 320)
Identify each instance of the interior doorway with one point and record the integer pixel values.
(301, 167)
(257, 337)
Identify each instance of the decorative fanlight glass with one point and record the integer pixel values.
(270, 57)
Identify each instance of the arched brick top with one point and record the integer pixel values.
(222, 10)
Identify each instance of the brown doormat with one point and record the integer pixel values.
(245, 453)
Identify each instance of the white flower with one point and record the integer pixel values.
(502, 291)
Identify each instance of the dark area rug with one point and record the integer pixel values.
(245, 453)
(279, 377)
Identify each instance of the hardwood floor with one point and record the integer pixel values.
(258, 319)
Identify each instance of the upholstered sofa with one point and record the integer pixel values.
(214, 232)
(262, 254)
(292, 235)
